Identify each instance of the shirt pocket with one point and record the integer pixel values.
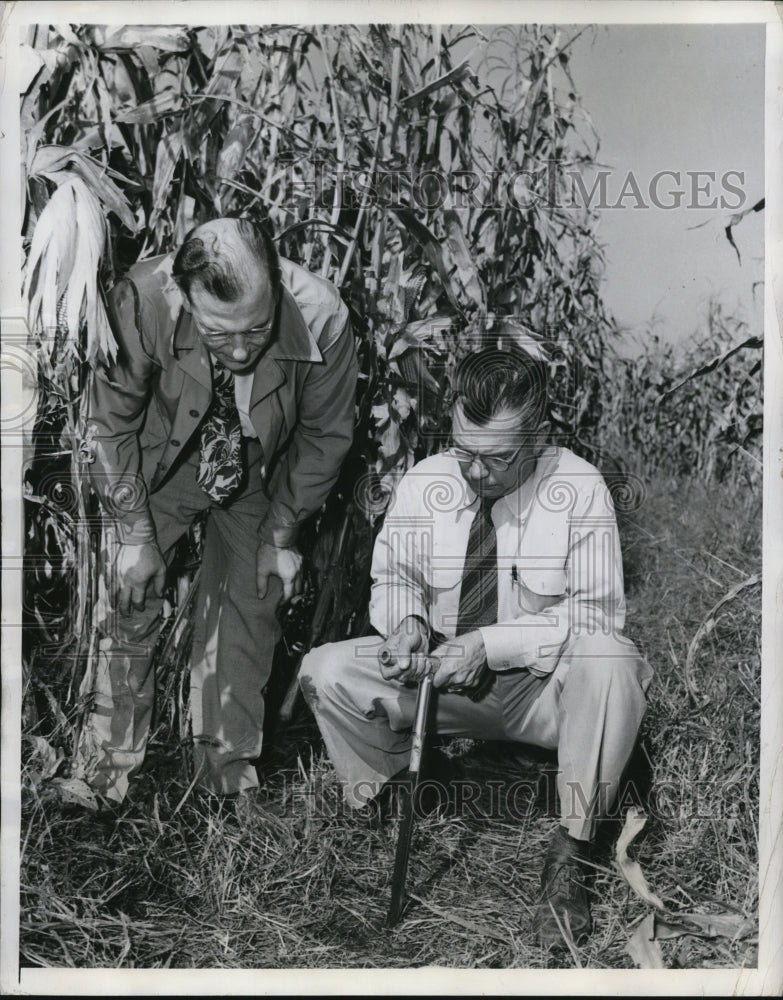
(533, 602)
(548, 584)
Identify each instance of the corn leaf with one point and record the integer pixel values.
(390, 440)
(65, 255)
(453, 76)
(736, 219)
(711, 365)
(57, 163)
(418, 334)
(511, 331)
(234, 149)
(90, 249)
(710, 925)
(68, 36)
(222, 82)
(709, 624)
(169, 152)
(635, 822)
(431, 247)
(50, 261)
(168, 38)
(45, 755)
(642, 946)
(460, 253)
(75, 791)
(160, 106)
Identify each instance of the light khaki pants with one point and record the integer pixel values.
(234, 639)
(588, 709)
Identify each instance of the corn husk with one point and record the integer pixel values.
(67, 247)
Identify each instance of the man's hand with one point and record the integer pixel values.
(286, 564)
(138, 566)
(407, 649)
(461, 663)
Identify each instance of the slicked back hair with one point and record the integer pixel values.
(198, 263)
(493, 380)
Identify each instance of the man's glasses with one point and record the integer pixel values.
(218, 338)
(492, 463)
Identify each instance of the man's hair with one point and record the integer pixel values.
(492, 380)
(199, 263)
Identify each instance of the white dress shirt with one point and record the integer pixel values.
(559, 560)
(243, 386)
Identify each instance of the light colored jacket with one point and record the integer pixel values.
(146, 407)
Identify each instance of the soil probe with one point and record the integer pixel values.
(414, 770)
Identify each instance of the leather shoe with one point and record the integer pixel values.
(564, 892)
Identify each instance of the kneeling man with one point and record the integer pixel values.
(498, 567)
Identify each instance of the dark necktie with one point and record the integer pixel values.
(478, 598)
(221, 467)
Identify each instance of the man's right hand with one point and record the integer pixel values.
(138, 566)
(406, 650)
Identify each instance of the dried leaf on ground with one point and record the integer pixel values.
(709, 624)
(642, 946)
(74, 791)
(728, 925)
(635, 822)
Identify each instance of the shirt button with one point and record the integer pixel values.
(194, 413)
(174, 443)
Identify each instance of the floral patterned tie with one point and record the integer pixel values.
(221, 467)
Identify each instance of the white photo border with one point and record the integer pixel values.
(767, 979)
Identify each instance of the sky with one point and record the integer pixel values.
(679, 98)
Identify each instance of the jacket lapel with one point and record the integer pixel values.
(190, 354)
(276, 369)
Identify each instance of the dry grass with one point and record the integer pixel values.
(289, 882)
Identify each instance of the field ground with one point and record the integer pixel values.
(289, 882)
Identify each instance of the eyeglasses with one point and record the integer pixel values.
(492, 463)
(217, 338)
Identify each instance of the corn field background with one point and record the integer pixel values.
(374, 154)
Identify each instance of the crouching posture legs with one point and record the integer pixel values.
(588, 710)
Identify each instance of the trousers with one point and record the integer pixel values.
(234, 637)
(588, 709)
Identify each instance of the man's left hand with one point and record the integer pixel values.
(286, 564)
(462, 662)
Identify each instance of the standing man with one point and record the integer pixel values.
(497, 568)
(232, 392)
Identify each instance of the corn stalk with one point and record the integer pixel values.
(376, 153)
(692, 411)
